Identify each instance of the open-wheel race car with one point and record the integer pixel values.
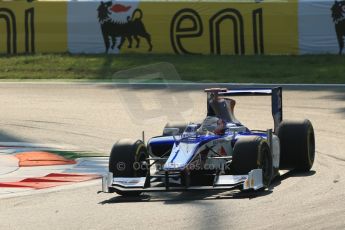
(218, 154)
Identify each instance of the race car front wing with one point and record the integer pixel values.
(222, 182)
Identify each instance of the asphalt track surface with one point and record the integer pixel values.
(93, 117)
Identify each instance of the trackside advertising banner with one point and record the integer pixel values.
(33, 27)
(186, 27)
(239, 27)
(321, 26)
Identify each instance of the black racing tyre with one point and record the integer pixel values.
(250, 153)
(128, 158)
(181, 126)
(297, 145)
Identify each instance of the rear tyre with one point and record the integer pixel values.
(128, 158)
(250, 153)
(297, 145)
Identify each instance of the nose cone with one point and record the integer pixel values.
(180, 156)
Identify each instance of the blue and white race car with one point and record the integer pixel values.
(218, 154)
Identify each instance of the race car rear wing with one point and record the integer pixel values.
(275, 93)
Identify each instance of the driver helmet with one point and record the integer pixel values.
(213, 124)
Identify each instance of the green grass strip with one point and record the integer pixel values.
(195, 68)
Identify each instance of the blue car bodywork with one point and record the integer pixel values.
(200, 150)
(180, 157)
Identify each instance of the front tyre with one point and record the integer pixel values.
(252, 152)
(128, 158)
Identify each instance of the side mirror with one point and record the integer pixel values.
(171, 131)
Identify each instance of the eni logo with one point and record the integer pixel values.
(178, 32)
(8, 16)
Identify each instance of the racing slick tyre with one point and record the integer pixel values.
(297, 145)
(128, 158)
(250, 153)
(180, 126)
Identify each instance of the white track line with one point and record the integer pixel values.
(8, 165)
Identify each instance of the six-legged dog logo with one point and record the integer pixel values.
(117, 22)
(338, 15)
